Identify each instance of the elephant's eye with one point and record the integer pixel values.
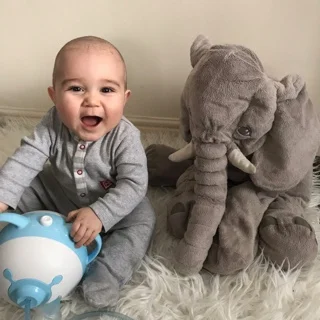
(244, 131)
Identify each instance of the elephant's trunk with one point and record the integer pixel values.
(206, 214)
(210, 189)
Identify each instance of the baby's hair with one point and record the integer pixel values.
(86, 42)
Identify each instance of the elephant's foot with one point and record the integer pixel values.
(163, 172)
(188, 259)
(225, 261)
(287, 241)
(178, 213)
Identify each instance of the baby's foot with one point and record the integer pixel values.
(99, 288)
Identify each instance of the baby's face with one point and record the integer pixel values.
(89, 91)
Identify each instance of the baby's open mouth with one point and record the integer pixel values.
(91, 121)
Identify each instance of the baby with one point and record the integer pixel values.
(97, 175)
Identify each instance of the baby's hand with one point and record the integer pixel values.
(85, 227)
(3, 207)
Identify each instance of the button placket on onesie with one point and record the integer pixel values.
(79, 172)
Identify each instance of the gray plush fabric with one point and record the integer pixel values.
(221, 214)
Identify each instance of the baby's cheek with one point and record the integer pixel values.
(70, 106)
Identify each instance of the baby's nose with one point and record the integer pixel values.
(91, 100)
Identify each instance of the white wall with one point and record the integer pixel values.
(154, 37)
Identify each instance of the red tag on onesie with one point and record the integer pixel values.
(106, 184)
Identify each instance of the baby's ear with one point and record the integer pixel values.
(51, 93)
(127, 95)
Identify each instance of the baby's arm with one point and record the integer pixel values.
(3, 207)
(131, 185)
(26, 162)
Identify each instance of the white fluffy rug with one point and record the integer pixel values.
(156, 292)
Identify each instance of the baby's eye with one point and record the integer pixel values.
(107, 90)
(75, 89)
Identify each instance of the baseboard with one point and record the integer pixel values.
(11, 111)
(154, 122)
(139, 121)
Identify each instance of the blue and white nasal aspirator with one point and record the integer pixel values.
(40, 264)
(38, 260)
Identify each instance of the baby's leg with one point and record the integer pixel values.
(122, 251)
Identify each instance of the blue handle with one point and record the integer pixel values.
(14, 218)
(97, 249)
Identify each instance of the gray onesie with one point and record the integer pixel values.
(108, 175)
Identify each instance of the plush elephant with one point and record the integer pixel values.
(253, 141)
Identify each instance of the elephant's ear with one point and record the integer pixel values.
(292, 143)
(198, 48)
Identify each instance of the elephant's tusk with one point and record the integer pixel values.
(237, 158)
(187, 152)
